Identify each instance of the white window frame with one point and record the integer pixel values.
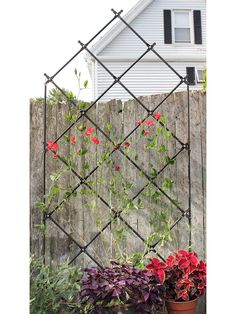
(190, 26)
(197, 76)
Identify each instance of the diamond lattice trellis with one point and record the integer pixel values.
(83, 180)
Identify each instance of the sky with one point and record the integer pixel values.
(55, 28)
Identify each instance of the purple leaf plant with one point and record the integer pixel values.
(122, 285)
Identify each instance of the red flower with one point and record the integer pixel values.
(157, 115)
(52, 146)
(127, 144)
(149, 122)
(117, 168)
(146, 132)
(49, 145)
(89, 132)
(72, 140)
(55, 156)
(137, 122)
(116, 147)
(95, 140)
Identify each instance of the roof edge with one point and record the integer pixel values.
(119, 26)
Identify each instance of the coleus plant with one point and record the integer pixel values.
(183, 275)
(122, 284)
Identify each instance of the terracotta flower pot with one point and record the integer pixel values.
(188, 307)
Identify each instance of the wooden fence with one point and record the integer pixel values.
(81, 218)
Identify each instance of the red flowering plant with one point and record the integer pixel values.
(183, 275)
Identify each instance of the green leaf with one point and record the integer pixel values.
(156, 195)
(55, 176)
(41, 226)
(41, 205)
(66, 137)
(75, 71)
(55, 190)
(70, 95)
(83, 105)
(66, 194)
(159, 130)
(136, 157)
(154, 172)
(167, 184)
(82, 151)
(70, 117)
(81, 128)
(177, 202)
(170, 161)
(92, 204)
(109, 127)
(86, 165)
(127, 185)
(161, 148)
(85, 83)
(74, 194)
(153, 142)
(99, 223)
(120, 234)
(168, 135)
(83, 191)
(163, 119)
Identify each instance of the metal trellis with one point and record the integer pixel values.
(85, 113)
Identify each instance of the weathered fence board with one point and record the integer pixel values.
(79, 218)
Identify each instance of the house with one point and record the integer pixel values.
(178, 27)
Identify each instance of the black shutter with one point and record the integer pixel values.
(190, 71)
(197, 26)
(167, 27)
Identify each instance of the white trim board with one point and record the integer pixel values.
(150, 58)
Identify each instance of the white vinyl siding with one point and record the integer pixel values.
(146, 78)
(150, 76)
(149, 24)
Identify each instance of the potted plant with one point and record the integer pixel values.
(121, 289)
(184, 278)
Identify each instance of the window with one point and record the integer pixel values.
(181, 25)
(194, 75)
(199, 75)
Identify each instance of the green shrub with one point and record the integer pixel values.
(54, 290)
